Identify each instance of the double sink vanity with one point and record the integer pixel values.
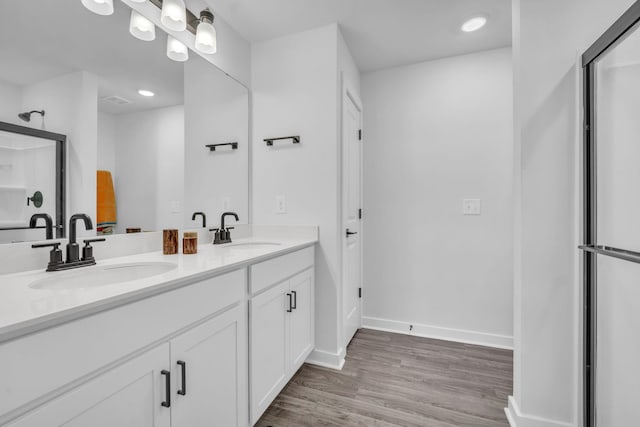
(157, 340)
(116, 333)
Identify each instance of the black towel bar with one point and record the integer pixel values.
(212, 147)
(295, 139)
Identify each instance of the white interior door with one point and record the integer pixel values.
(351, 202)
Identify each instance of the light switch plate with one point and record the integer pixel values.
(226, 204)
(281, 204)
(471, 207)
(175, 207)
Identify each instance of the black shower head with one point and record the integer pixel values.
(26, 116)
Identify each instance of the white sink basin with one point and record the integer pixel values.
(91, 277)
(252, 245)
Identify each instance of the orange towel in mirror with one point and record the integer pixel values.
(106, 209)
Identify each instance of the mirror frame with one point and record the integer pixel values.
(61, 189)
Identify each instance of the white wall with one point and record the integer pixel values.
(436, 133)
(216, 112)
(107, 140)
(71, 106)
(149, 168)
(10, 102)
(548, 36)
(295, 81)
(70, 103)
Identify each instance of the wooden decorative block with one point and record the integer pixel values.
(169, 242)
(190, 243)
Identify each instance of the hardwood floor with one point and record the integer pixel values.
(399, 380)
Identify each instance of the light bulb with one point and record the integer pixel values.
(174, 15)
(141, 28)
(176, 50)
(206, 39)
(100, 7)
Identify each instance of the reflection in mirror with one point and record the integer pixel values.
(216, 112)
(140, 138)
(137, 122)
(31, 184)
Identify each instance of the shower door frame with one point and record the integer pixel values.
(623, 27)
(61, 160)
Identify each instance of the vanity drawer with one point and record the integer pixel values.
(268, 273)
(34, 366)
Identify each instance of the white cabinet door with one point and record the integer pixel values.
(208, 371)
(301, 320)
(130, 395)
(269, 315)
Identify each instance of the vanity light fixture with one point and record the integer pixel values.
(141, 28)
(176, 50)
(146, 93)
(206, 39)
(100, 7)
(174, 15)
(474, 24)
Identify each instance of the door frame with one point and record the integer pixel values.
(624, 26)
(348, 92)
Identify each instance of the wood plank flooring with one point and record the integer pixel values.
(399, 380)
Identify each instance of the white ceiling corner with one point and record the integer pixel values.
(379, 33)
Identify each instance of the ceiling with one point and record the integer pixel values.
(379, 33)
(64, 37)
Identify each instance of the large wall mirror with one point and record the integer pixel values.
(137, 123)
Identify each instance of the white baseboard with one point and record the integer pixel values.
(327, 359)
(517, 419)
(437, 332)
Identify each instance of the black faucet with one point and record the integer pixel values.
(233, 214)
(223, 234)
(47, 220)
(73, 249)
(204, 218)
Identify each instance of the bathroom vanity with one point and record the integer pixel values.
(206, 339)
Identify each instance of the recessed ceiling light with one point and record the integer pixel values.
(145, 92)
(474, 24)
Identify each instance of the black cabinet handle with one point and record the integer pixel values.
(290, 302)
(183, 390)
(350, 233)
(167, 388)
(295, 299)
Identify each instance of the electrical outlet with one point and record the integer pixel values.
(471, 207)
(226, 204)
(175, 207)
(281, 204)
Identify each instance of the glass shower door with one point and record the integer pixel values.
(612, 226)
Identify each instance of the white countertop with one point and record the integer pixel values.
(25, 310)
